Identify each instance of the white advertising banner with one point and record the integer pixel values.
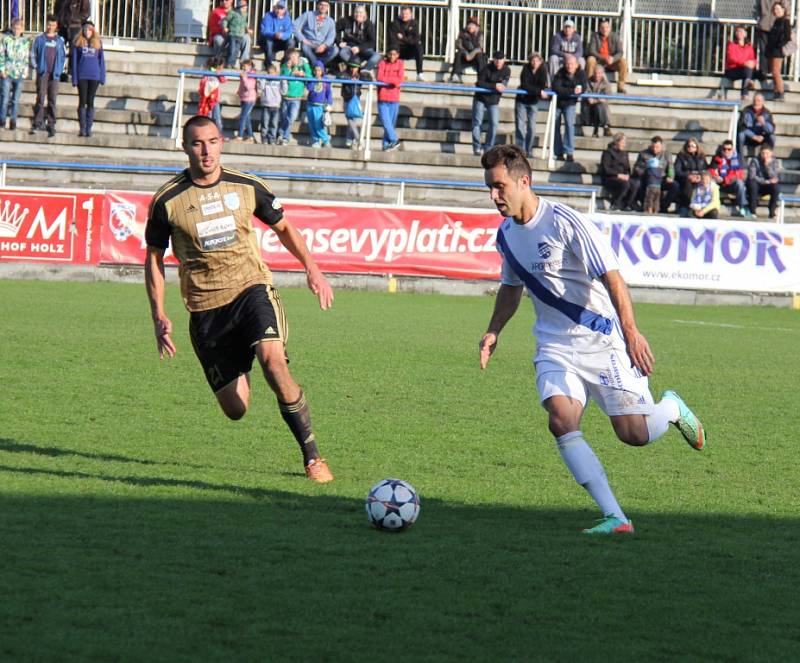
(705, 254)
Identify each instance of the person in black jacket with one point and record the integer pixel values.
(470, 50)
(690, 163)
(615, 171)
(533, 80)
(494, 76)
(568, 84)
(405, 37)
(356, 38)
(779, 35)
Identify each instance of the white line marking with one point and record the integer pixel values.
(728, 325)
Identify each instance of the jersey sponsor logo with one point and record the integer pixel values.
(544, 250)
(211, 195)
(231, 200)
(212, 208)
(216, 233)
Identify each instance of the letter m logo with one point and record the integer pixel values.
(40, 224)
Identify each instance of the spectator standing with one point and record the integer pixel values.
(727, 171)
(653, 166)
(763, 175)
(70, 15)
(270, 94)
(356, 38)
(594, 112)
(293, 94)
(690, 164)
(765, 20)
(404, 36)
(563, 43)
(494, 76)
(235, 26)
(318, 101)
(605, 48)
(470, 50)
(756, 126)
(49, 54)
(705, 198)
(391, 71)
(15, 54)
(209, 93)
(315, 31)
(568, 83)
(275, 33)
(740, 60)
(615, 170)
(88, 73)
(353, 113)
(778, 39)
(533, 79)
(247, 97)
(217, 37)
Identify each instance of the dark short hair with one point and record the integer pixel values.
(656, 139)
(727, 141)
(510, 156)
(196, 121)
(52, 18)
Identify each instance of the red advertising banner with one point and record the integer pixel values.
(50, 226)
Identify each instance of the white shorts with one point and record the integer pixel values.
(606, 376)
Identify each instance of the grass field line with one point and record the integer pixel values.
(729, 325)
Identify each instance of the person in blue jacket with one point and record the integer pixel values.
(48, 55)
(88, 72)
(275, 32)
(318, 102)
(315, 31)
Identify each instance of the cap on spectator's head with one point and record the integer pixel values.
(569, 23)
(319, 64)
(499, 55)
(281, 4)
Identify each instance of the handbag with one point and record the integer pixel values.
(790, 47)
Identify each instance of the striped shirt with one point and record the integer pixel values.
(212, 234)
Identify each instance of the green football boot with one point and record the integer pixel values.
(688, 424)
(611, 525)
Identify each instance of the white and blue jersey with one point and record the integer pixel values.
(559, 255)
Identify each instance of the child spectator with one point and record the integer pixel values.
(14, 55)
(235, 25)
(270, 93)
(392, 72)
(88, 73)
(209, 91)
(293, 93)
(705, 199)
(653, 164)
(319, 100)
(248, 96)
(353, 113)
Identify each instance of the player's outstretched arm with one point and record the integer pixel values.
(154, 283)
(294, 243)
(505, 306)
(638, 348)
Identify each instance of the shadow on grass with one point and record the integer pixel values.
(235, 573)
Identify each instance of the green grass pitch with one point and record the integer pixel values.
(138, 524)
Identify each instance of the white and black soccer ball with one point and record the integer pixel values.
(392, 505)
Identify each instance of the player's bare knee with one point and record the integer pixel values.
(632, 435)
(560, 425)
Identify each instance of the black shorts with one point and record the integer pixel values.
(224, 338)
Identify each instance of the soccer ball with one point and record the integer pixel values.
(392, 505)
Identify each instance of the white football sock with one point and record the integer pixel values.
(588, 472)
(659, 419)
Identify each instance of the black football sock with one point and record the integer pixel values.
(298, 418)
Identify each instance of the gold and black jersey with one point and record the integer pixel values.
(212, 234)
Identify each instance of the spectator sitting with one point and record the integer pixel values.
(392, 71)
(494, 76)
(293, 94)
(209, 91)
(594, 112)
(533, 79)
(568, 83)
(615, 170)
(315, 32)
(247, 96)
(470, 50)
(15, 52)
(275, 32)
(356, 37)
(740, 60)
(217, 37)
(565, 42)
(726, 170)
(270, 93)
(353, 113)
(319, 100)
(234, 25)
(762, 179)
(605, 48)
(405, 37)
(779, 36)
(653, 167)
(690, 164)
(705, 198)
(756, 126)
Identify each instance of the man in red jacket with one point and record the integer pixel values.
(392, 72)
(740, 60)
(216, 34)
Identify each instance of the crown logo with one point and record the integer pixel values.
(11, 218)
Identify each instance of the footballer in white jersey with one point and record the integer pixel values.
(588, 343)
